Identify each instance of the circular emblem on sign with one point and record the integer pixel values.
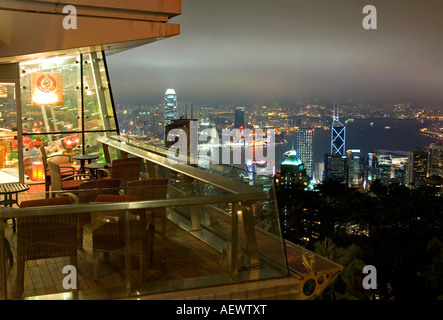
(46, 83)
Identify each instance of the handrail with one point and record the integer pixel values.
(8, 212)
(218, 181)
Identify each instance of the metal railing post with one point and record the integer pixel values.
(127, 253)
(234, 241)
(3, 226)
(251, 239)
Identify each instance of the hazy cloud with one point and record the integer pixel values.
(245, 51)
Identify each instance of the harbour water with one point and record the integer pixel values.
(368, 135)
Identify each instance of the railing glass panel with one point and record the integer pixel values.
(195, 251)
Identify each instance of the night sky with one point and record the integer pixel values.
(246, 52)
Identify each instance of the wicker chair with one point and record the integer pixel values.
(88, 192)
(68, 183)
(64, 161)
(124, 169)
(43, 237)
(108, 233)
(151, 189)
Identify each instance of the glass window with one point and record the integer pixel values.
(51, 97)
(66, 104)
(52, 93)
(98, 109)
(8, 133)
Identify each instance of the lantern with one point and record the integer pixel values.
(37, 171)
(68, 142)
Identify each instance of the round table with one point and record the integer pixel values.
(83, 158)
(7, 190)
(94, 167)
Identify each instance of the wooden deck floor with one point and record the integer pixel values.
(179, 256)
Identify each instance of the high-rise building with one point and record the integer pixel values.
(371, 167)
(338, 135)
(387, 166)
(319, 171)
(188, 141)
(294, 169)
(171, 109)
(384, 173)
(304, 147)
(335, 167)
(292, 177)
(355, 168)
(291, 184)
(239, 121)
(436, 160)
(399, 176)
(384, 168)
(418, 167)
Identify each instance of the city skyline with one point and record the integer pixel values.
(266, 52)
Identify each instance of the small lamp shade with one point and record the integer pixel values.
(37, 171)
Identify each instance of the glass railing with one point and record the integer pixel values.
(259, 179)
(91, 247)
(209, 177)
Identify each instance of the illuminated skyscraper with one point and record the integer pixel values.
(293, 170)
(355, 168)
(436, 160)
(292, 177)
(239, 121)
(171, 111)
(371, 167)
(417, 167)
(304, 147)
(319, 171)
(335, 167)
(338, 135)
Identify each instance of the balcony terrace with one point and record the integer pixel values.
(223, 236)
(187, 263)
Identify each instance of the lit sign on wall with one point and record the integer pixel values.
(47, 89)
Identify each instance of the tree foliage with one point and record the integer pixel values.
(397, 229)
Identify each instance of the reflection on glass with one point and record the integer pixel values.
(51, 99)
(60, 108)
(97, 99)
(8, 134)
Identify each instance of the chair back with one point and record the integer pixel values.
(108, 227)
(126, 169)
(89, 190)
(150, 189)
(42, 237)
(56, 177)
(115, 198)
(43, 155)
(58, 158)
(45, 202)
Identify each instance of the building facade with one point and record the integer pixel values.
(355, 168)
(170, 105)
(239, 118)
(338, 135)
(291, 179)
(335, 167)
(436, 160)
(304, 147)
(417, 167)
